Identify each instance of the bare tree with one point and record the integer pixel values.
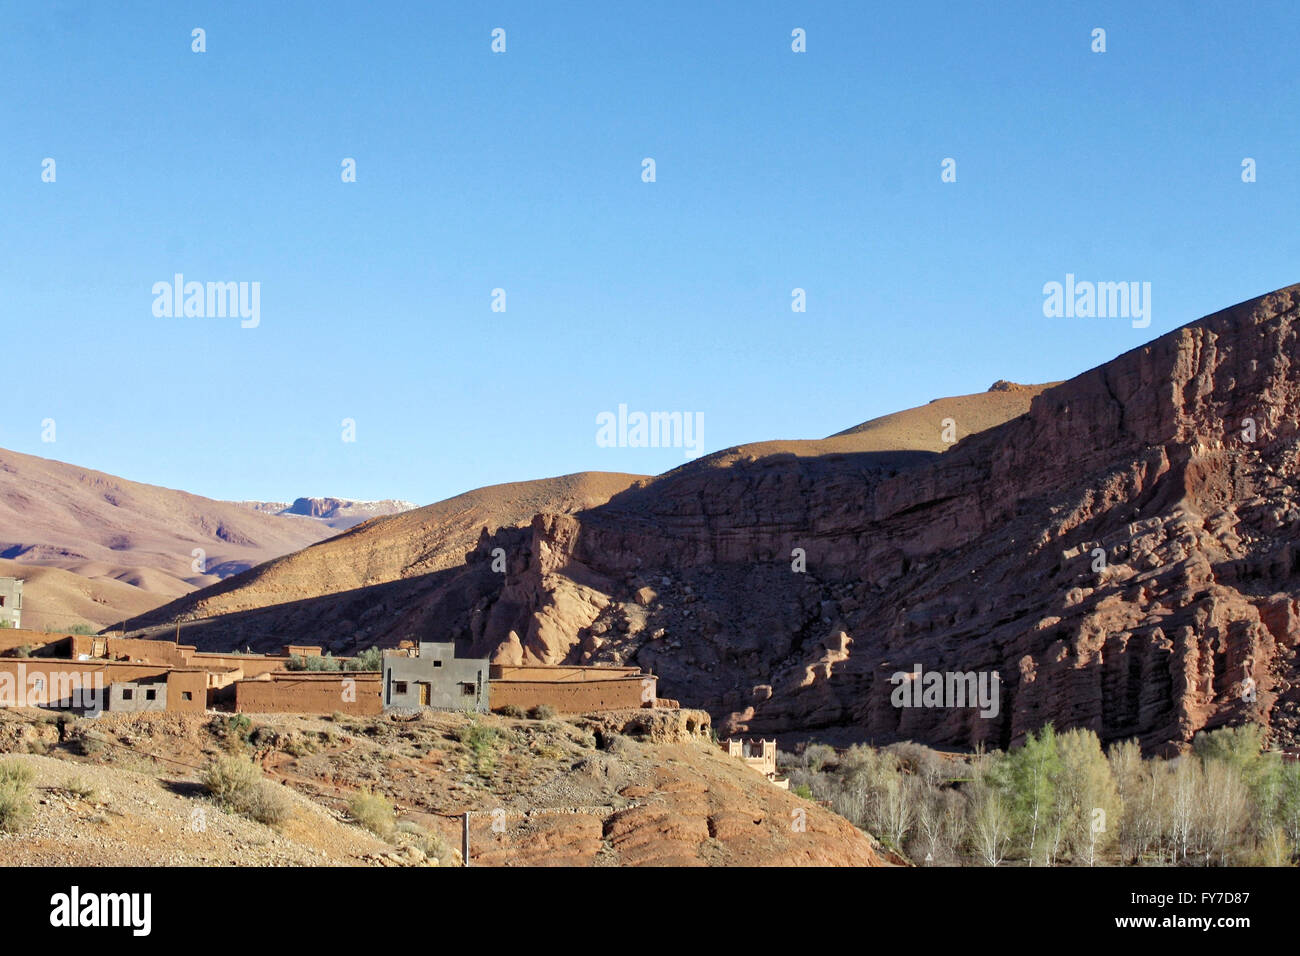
(1183, 796)
(899, 803)
(1222, 819)
(990, 824)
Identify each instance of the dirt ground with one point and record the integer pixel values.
(632, 788)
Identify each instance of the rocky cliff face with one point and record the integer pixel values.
(1123, 556)
(1119, 550)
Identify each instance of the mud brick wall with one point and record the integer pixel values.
(309, 693)
(573, 697)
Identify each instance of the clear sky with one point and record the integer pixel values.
(523, 171)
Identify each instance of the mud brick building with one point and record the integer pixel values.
(310, 692)
(572, 690)
(758, 754)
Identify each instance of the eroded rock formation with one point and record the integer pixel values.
(1124, 557)
(1122, 554)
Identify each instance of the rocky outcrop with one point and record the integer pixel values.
(1118, 549)
(1122, 556)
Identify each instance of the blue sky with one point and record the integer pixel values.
(522, 171)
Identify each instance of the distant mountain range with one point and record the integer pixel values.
(337, 513)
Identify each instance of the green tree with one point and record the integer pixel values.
(1087, 802)
(1287, 812)
(1028, 775)
(1133, 787)
(371, 659)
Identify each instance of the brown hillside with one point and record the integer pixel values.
(981, 559)
(783, 592)
(375, 584)
(616, 789)
(396, 547)
(59, 600)
(106, 528)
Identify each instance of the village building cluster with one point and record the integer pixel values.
(91, 674)
(96, 673)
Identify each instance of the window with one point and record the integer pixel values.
(467, 690)
(399, 687)
(151, 695)
(435, 663)
(186, 695)
(128, 693)
(2, 600)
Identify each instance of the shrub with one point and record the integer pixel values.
(1273, 850)
(324, 662)
(802, 790)
(232, 780)
(817, 756)
(435, 847)
(316, 662)
(236, 784)
(79, 787)
(617, 743)
(1239, 746)
(481, 742)
(268, 803)
(374, 812)
(919, 760)
(430, 842)
(88, 743)
(512, 710)
(371, 659)
(542, 712)
(298, 745)
(11, 771)
(235, 731)
(15, 794)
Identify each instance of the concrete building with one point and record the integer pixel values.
(11, 602)
(138, 696)
(175, 689)
(432, 676)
